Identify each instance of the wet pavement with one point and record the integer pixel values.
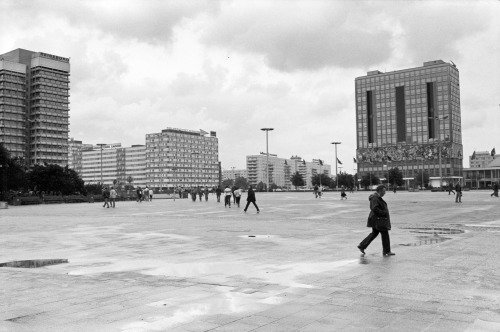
(182, 266)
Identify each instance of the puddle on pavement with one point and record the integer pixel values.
(435, 230)
(33, 263)
(423, 240)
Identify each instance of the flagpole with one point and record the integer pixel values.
(336, 160)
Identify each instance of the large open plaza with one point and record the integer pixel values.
(177, 265)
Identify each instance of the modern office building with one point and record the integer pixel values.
(182, 158)
(410, 119)
(232, 174)
(111, 163)
(34, 106)
(281, 170)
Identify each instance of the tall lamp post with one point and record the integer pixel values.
(267, 130)
(438, 120)
(101, 145)
(336, 174)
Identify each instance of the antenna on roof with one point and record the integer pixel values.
(454, 65)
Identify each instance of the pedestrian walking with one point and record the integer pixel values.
(232, 192)
(150, 194)
(112, 196)
(458, 196)
(200, 192)
(237, 193)
(218, 192)
(342, 193)
(206, 194)
(139, 194)
(495, 190)
(105, 196)
(145, 194)
(450, 189)
(227, 196)
(380, 222)
(251, 199)
(315, 191)
(193, 194)
(320, 191)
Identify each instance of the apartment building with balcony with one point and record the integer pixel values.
(107, 163)
(182, 158)
(282, 169)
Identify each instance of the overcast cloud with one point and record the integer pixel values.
(234, 67)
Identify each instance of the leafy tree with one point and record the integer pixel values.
(12, 173)
(227, 183)
(297, 180)
(369, 179)
(418, 178)
(395, 177)
(325, 180)
(346, 180)
(273, 186)
(241, 182)
(52, 177)
(93, 188)
(261, 186)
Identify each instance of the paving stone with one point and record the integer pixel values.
(192, 266)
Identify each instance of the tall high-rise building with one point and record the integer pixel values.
(34, 106)
(404, 118)
(180, 157)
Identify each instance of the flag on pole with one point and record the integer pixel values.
(339, 161)
(355, 161)
(320, 162)
(493, 152)
(473, 156)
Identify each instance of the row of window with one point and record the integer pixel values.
(14, 78)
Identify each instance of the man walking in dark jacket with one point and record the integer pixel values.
(380, 222)
(251, 199)
(458, 196)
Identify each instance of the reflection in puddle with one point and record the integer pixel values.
(423, 240)
(34, 263)
(363, 260)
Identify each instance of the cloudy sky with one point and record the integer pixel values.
(237, 66)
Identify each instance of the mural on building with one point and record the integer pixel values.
(409, 152)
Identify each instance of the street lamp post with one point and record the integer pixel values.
(267, 130)
(101, 145)
(336, 173)
(438, 119)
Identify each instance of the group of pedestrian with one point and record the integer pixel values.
(109, 197)
(199, 192)
(317, 191)
(145, 194)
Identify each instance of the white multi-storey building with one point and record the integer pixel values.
(109, 163)
(281, 170)
(233, 174)
(180, 157)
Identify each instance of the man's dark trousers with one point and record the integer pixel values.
(386, 241)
